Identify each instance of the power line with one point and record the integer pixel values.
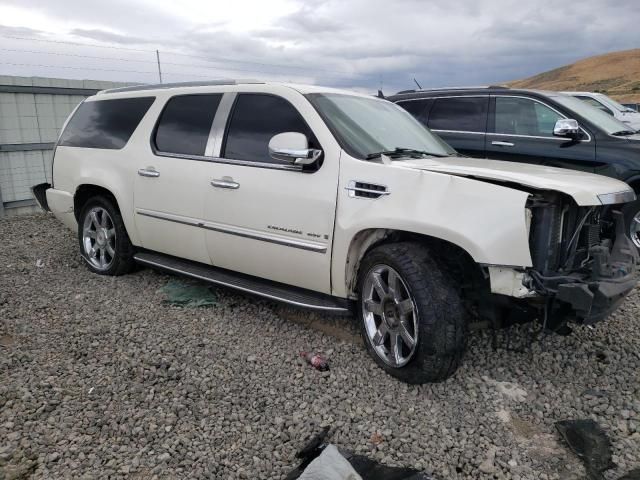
(183, 74)
(72, 68)
(66, 42)
(205, 67)
(222, 59)
(42, 52)
(209, 59)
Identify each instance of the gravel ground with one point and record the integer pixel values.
(100, 378)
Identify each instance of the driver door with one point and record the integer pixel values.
(265, 217)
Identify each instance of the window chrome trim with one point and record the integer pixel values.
(457, 131)
(238, 231)
(534, 136)
(486, 95)
(229, 161)
(559, 139)
(617, 197)
(249, 163)
(216, 134)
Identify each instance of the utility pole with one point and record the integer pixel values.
(159, 71)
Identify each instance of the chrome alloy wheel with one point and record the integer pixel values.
(634, 230)
(390, 316)
(99, 238)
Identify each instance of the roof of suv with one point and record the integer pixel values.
(493, 89)
(230, 82)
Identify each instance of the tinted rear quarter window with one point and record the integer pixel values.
(256, 118)
(185, 123)
(105, 124)
(415, 108)
(466, 114)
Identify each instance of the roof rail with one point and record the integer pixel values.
(435, 89)
(156, 86)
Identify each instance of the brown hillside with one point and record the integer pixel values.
(617, 74)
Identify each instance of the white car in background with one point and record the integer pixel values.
(608, 105)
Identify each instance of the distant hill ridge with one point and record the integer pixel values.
(616, 74)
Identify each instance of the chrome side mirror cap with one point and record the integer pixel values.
(292, 147)
(566, 127)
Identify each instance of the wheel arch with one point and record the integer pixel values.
(367, 239)
(86, 191)
(634, 182)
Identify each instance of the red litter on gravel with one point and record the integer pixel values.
(316, 361)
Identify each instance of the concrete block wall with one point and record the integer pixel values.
(30, 122)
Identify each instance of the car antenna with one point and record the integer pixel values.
(414, 79)
(380, 94)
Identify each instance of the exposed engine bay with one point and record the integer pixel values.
(583, 263)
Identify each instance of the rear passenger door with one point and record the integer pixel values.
(172, 176)
(521, 130)
(461, 121)
(267, 218)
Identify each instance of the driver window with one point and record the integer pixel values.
(255, 119)
(523, 116)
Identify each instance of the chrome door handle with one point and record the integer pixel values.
(148, 172)
(502, 144)
(226, 182)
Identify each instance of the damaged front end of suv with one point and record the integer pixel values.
(583, 263)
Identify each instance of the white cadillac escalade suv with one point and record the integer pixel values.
(336, 201)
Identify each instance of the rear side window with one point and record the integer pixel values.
(255, 119)
(185, 123)
(415, 108)
(105, 123)
(465, 114)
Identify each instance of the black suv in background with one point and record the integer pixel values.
(545, 128)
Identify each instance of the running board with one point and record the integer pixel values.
(280, 292)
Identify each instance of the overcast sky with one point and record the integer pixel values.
(350, 43)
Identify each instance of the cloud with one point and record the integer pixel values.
(359, 43)
(107, 36)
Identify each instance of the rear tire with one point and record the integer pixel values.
(631, 212)
(423, 312)
(104, 243)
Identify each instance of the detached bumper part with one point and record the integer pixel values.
(593, 302)
(40, 194)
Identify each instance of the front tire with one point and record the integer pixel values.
(411, 316)
(104, 242)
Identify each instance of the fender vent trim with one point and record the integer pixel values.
(358, 189)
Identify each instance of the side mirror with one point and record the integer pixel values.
(566, 127)
(292, 147)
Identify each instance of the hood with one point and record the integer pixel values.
(630, 118)
(585, 188)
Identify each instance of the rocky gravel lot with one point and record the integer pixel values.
(100, 378)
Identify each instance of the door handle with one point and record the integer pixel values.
(149, 172)
(225, 182)
(502, 144)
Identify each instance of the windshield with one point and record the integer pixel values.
(596, 116)
(614, 104)
(367, 126)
